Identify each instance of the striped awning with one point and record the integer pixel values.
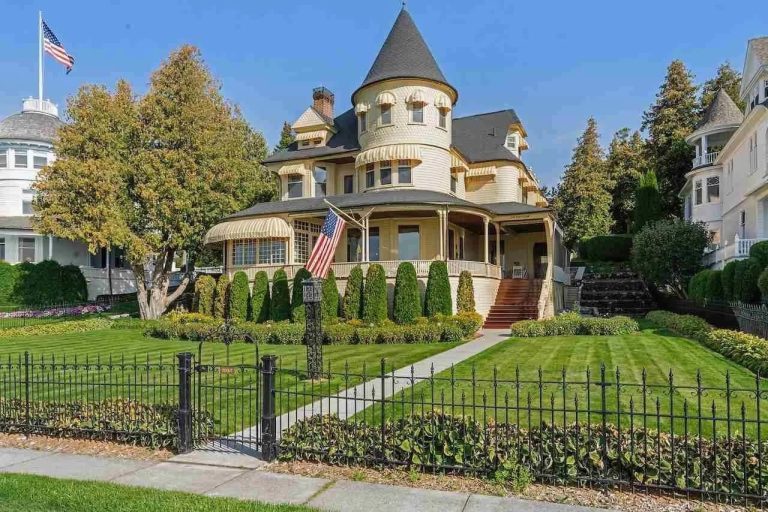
(457, 162)
(361, 107)
(265, 227)
(442, 101)
(481, 171)
(294, 168)
(386, 98)
(417, 96)
(316, 134)
(392, 152)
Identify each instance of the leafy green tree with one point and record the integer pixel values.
(280, 306)
(352, 304)
(221, 299)
(260, 300)
(437, 297)
(727, 79)
(406, 304)
(330, 303)
(465, 295)
(667, 253)
(151, 173)
(205, 290)
(647, 201)
(625, 164)
(298, 311)
(375, 299)
(583, 199)
(239, 296)
(668, 121)
(286, 138)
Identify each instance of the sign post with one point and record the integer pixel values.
(313, 333)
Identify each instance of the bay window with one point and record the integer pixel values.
(713, 189)
(370, 176)
(385, 173)
(698, 197)
(408, 242)
(39, 161)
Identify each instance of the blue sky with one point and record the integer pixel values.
(555, 62)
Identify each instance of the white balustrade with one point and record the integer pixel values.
(705, 159)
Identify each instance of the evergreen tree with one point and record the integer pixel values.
(330, 305)
(286, 138)
(280, 305)
(625, 162)
(298, 311)
(727, 79)
(583, 199)
(673, 115)
(239, 296)
(260, 299)
(647, 201)
(352, 303)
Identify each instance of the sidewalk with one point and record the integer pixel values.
(254, 482)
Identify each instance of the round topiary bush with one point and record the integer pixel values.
(727, 280)
(749, 290)
(759, 251)
(221, 299)
(465, 295)
(280, 306)
(437, 298)
(406, 306)
(298, 312)
(715, 285)
(375, 298)
(260, 297)
(330, 304)
(205, 290)
(352, 304)
(239, 296)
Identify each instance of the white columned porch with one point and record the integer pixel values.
(441, 227)
(486, 221)
(497, 227)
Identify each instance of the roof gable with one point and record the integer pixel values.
(344, 140)
(311, 118)
(720, 113)
(756, 57)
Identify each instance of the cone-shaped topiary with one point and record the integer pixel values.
(239, 296)
(437, 298)
(221, 301)
(280, 306)
(330, 303)
(260, 297)
(205, 289)
(465, 295)
(298, 312)
(406, 306)
(375, 296)
(727, 279)
(352, 304)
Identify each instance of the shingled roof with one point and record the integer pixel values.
(721, 113)
(344, 140)
(760, 48)
(481, 138)
(30, 126)
(404, 54)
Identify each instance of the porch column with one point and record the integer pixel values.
(703, 149)
(485, 239)
(497, 227)
(291, 247)
(50, 247)
(366, 241)
(442, 234)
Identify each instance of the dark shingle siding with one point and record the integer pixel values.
(481, 138)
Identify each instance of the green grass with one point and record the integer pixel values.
(43, 494)
(657, 354)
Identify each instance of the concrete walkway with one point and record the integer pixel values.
(259, 484)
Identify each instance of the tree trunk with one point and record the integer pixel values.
(153, 296)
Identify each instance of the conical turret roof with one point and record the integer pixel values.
(404, 54)
(720, 113)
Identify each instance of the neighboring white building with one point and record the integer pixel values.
(728, 186)
(26, 146)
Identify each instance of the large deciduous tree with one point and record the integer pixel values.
(583, 200)
(727, 79)
(625, 164)
(672, 116)
(152, 173)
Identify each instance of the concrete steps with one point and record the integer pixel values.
(516, 300)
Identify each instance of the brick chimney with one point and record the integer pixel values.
(323, 101)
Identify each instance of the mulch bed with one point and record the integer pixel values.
(83, 447)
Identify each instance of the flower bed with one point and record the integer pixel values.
(571, 324)
(88, 324)
(56, 312)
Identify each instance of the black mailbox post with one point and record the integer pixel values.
(313, 334)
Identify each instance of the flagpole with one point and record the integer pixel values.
(40, 57)
(342, 214)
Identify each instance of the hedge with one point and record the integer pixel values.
(762, 284)
(738, 279)
(205, 290)
(499, 449)
(375, 295)
(406, 304)
(437, 298)
(43, 283)
(715, 285)
(8, 278)
(697, 287)
(330, 304)
(260, 297)
(280, 306)
(759, 251)
(729, 273)
(221, 298)
(352, 303)
(572, 324)
(69, 326)
(465, 295)
(239, 296)
(749, 289)
(298, 311)
(606, 248)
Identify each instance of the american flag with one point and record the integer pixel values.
(53, 46)
(322, 254)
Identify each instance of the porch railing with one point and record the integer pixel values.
(705, 159)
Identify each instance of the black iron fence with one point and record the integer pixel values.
(717, 312)
(752, 318)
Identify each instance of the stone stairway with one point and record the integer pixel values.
(618, 292)
(516, 299)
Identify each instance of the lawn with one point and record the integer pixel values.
(43, 494)
(521, 381)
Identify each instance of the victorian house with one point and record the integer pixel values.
(421, 183)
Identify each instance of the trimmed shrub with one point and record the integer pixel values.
(606, 248)
(375, 295)
(572, 323)
(73, 286)
(406, 306)
(437, 298)
(738, 279)
(749, 290)
(205, 290)
(697, 287)
(260, 297)
(239, 296)
(727, 278)
(715, 285)
(298, 312)
(469, 322)
(221, 299)
(352, 303)
(8, 277)
(759, 251)
(465, 296)
(330, 303)
(280, 306)
(687, 325)
(762, 283)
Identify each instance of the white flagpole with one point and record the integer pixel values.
(40, 57)
(342, 214)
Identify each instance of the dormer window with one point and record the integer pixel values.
(511, 142)
(386, 115)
